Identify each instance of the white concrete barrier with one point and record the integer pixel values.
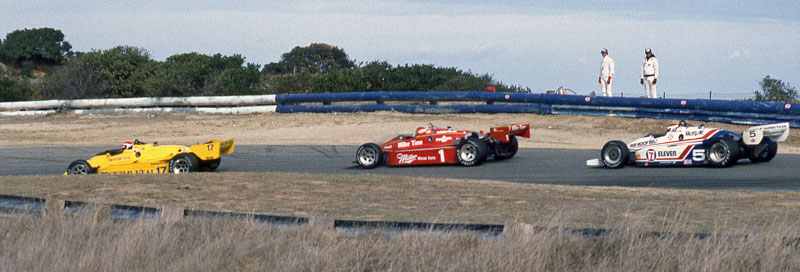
(206, 110)
(141, 102)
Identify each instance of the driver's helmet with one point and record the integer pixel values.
(421, 130)
(672, 127)
(127, 145)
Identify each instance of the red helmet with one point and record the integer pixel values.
(127, 145)
(421, 130)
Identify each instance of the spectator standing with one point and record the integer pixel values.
(649, 74)
(606, 73)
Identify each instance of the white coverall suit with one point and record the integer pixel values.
(606, 71)
(649, 75)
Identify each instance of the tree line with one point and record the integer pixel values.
(127, 71)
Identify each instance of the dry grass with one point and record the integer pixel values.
(374, 197)
(88, 242)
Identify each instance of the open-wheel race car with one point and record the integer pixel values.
(684, 144)
(140, 158)
(434, 145)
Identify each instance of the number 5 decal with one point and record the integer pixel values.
(699, 155)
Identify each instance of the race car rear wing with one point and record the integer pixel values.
(211, 150)
(502, 133)
(776, 132)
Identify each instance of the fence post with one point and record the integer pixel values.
(171, 213)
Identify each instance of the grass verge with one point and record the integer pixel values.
(88, 242)
(374, 197)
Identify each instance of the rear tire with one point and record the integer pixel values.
(79, 167)
(763, 152)
(473, 152)
(722, 152)
(615, 154)
(369, 156)
(183, 163)
(211, 166)
(503, 151)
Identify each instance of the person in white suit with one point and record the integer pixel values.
(606, 73)
(649, 74)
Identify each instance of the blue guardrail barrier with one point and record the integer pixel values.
(744, 112)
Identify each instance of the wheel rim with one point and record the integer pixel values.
(613, 154)
(367, 156)
(761, 151)
(717, 153)
(468, 152)
(181, 165)
(79, 169)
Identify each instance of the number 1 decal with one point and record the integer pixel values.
(441, 154)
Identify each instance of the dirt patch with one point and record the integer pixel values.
(548, 131)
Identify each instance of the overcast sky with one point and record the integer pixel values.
(725, 47)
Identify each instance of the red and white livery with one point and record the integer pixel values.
(434, 145)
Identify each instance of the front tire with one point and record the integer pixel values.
(503, 151)
(473, 152)
(722, 152)
(615, 154)
(763, 152)
(183, 163)
(369, 156)
(79, 167)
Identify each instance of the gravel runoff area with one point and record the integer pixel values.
(548, 131)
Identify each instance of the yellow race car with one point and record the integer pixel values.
(140, 158)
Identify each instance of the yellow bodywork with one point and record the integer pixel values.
(155, 159)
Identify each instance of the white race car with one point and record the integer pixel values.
(684, 144)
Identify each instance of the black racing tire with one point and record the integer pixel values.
(210, 166)
(369, 156)
(80, 167)
(722, 152)
(184, 163)
(503, 151)
(763, 152)
(472, 152)
(615, 154)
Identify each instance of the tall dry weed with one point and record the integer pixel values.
(91, 242)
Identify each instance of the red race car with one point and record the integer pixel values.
(434, 145)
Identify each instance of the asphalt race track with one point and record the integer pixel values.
(546, 166)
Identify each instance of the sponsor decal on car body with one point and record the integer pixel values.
(410, 158)
(444, 139)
